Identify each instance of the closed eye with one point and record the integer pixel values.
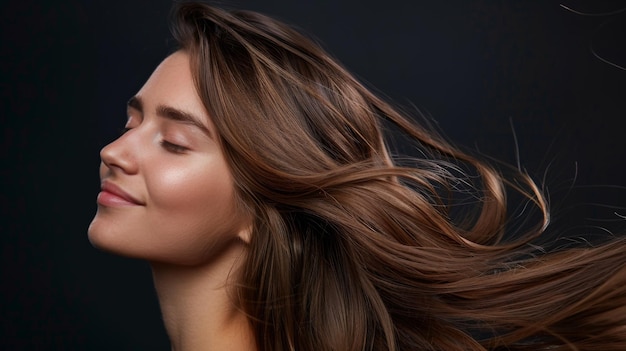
(173, 148)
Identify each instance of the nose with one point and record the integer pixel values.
(119, 155)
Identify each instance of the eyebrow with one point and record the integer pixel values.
(171, 113)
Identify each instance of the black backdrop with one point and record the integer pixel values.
(67, 69)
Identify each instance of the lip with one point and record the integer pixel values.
(113, 195)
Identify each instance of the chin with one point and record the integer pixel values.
(103, 237)
(115, 238)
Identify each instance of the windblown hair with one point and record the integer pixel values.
(356, 248)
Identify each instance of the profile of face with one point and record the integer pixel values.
(167, 191)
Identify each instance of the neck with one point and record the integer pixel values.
(197, 307)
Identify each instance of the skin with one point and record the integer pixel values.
(176, 170)
(168, 197)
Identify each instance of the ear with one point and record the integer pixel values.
(246, 216)
(245, 234)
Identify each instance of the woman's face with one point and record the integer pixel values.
(167, 192)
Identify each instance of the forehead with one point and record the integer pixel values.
(172, 85)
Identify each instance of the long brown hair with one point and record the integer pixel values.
(355, 248)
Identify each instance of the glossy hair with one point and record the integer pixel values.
(355, 248)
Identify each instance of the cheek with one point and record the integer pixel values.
(192, 213)
(187, 189)
(192, 208)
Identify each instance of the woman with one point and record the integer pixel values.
(255, 178)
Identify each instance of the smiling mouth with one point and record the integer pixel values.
(112, 195)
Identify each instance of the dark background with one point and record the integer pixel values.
(67, 69)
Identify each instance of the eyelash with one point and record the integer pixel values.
(174, 148)
(171, 147)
